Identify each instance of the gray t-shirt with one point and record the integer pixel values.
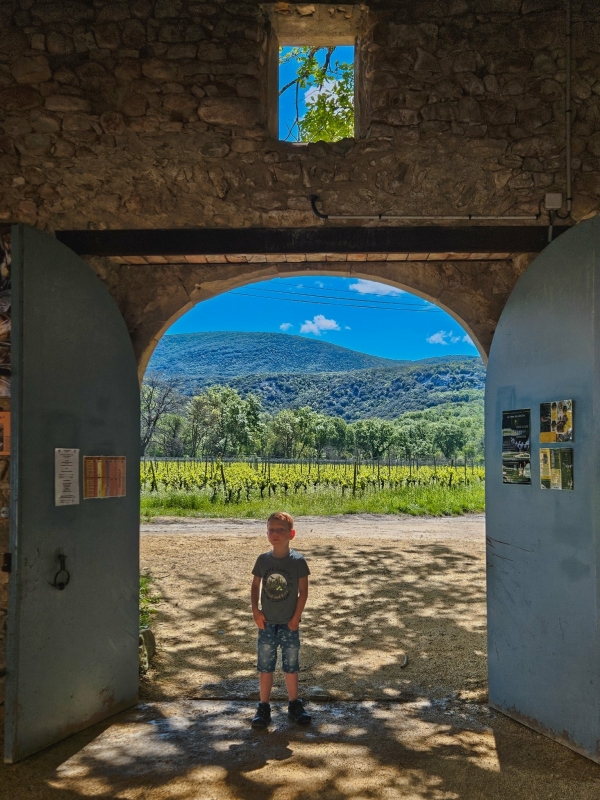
(279, 592)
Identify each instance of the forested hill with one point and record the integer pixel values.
(291, 371)
(204, 357)
(360, 394)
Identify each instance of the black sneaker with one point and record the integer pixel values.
(262, 716)
(297, 713)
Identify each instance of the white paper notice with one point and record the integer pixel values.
(66, 476)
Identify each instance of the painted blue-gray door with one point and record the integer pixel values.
(73, 653)
(543, 544)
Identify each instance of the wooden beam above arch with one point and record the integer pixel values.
(477, 240)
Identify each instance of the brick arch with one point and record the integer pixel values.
(153, 297)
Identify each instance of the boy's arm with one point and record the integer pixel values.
(258, 615)
(294, 623)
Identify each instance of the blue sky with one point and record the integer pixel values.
(355, 313)
(287, 101)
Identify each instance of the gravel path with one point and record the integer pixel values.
(355, 525)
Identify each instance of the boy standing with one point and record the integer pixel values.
(284, 575)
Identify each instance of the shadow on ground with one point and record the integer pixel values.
(205, 750)
(370, 605)
(379, 732)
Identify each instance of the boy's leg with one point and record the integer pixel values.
(290, 653)
(291, 684)
(290, 650)
(267, 659)
(266, 684)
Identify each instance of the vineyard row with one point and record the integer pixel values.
(239, 481)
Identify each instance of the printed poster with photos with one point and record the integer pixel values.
(556, 421)
(5, 309)
(556, 468)
(516, 444)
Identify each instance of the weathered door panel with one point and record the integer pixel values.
(72, 654)
(542, 544)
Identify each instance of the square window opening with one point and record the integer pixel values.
(316, 90)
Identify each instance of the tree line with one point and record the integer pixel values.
(219, 423)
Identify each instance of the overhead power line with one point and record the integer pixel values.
(383, 303)
(342, 304)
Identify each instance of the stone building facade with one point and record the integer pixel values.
(140, 113)
(155, 113)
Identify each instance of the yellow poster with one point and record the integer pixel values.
(556, 421)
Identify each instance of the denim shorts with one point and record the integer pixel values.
(272, 637)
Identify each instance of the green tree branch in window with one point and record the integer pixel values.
(329, 112)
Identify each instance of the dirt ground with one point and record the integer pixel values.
(381, 588)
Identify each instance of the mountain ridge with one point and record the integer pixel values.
(247, 353)
(384, 388)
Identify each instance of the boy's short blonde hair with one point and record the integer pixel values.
(282, 516)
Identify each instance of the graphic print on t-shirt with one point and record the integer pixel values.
(276, 587)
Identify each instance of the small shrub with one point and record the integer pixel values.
(148, 600)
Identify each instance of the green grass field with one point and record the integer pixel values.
(436, 501)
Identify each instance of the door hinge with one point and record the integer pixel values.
(6, 562)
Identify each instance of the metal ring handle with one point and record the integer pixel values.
(60, 584)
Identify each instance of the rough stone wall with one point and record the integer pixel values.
(153, 113)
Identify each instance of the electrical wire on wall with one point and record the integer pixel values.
(424, 217)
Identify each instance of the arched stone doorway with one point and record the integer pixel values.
(152, 296)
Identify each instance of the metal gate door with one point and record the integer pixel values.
(72, 651)
(543, 495)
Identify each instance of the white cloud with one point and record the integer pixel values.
(443, 337)
(438, 338)
(320, 284)
(319, 323)
(347, 328)
(466, 338)
(372, 287)
(285, 326)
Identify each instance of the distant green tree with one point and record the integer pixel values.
(417, 439)
(306, 420)
(330, 107)
(323, 433)
(202, 418)
(283, 433)
(169, 436)
(339, 437)
(374, 437)
(450, 438)
(223, 422)
(404, 440)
